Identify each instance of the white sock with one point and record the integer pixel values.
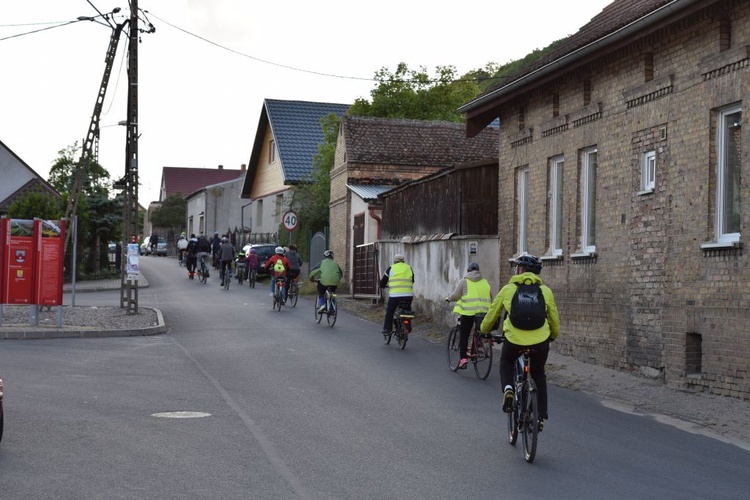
(508, 387)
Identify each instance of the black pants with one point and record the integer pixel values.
(466, 323)
(191, 262)
(393, 303)
(290, 275)
(538, 359)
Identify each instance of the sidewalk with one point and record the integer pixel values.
(101, 285)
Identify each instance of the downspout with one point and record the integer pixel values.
(379, 221)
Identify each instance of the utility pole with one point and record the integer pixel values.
(129, 284)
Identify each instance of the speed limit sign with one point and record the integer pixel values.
(290, 220)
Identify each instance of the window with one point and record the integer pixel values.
(259, 213)
(523, 192)
(728, 175)
(521, 118)
(648, 171)
(588, 201)
(555, 104)
(555, 205)
(586, 92)
(271, 151)
(279, 205)
(648, 66)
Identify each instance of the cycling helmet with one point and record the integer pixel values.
(530, 263)
(280, 250)
(328, 254)
(472, 267)
(225, 240)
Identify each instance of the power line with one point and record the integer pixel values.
(39, 30)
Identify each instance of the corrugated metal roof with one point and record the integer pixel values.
(366, 192)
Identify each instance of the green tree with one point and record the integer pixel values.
(413, 94)
(171, 214)
(36, 203)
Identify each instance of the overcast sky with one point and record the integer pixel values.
(200, 98)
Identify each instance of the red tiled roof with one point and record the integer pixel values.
(189, 180)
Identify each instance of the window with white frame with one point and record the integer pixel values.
(588, 200)
(729, 147)
(555, 205)
(523, 212)
(648, 171)
(271, 151)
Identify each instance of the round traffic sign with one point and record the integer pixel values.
(290, 220)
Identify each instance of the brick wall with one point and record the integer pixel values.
(651, 297)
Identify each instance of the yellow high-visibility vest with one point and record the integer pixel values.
(401, 280)
(477, 299)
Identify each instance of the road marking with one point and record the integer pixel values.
(181, 414)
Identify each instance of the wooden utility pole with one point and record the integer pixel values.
(129, 284)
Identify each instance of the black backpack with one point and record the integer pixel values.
(528, 311)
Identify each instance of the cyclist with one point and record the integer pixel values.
(191, 255)
(152, 242)
(527, 271)
(399, 277)
(328, 274)
(181, 245)
(241, 263)
(215, 244)
(473, 296)
(252, 261)
(277, 266)
(203, 251)
(226, 256)
(295, 261)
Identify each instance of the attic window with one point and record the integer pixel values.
(271, 151)
(586, 92)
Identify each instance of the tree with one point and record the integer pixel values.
(171, 214)
(36, 203)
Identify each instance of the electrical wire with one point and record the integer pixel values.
(59, 25)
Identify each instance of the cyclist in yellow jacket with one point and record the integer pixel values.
(527, 271)
(399, 277)
(473, 296)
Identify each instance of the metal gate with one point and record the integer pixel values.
(317, 247)
(365, 270)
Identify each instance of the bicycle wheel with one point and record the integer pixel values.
(318, 315)
(331, 312)
(482, 356)
(514, 414)
(227, 280)
(203, 275)
(530, 420)
(452, 354)
(293, 294)
(401, 335)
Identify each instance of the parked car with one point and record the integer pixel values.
(161, 246)
(264, 251)
(1, 409)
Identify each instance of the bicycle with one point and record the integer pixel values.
(293, 294)
(330, 309)
(252, 277)
(402, 319)
(479, 350)
(278, 293)
(181, 257)
(524, 417)
(226, 275)
(241, 272)
(202, 270)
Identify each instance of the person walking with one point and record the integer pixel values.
(399, 277)
(473, 296)
(539, 307)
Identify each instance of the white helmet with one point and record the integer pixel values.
(280, 250)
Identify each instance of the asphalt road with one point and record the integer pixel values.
(279, 407)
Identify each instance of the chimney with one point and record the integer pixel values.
(243, 167)
(221, 167)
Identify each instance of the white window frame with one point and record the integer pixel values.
(648, 172)
(557, 165)
(725, 235)
(272, 152)
(523, 208)
(589, 160)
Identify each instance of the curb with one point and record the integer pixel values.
(21, 333)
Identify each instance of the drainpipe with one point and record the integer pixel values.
(377, 219)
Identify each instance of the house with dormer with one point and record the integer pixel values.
(286, 141)
(18, 178)
(622, 165)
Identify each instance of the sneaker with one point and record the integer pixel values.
(540, 425)
(384, 331)
(508, 400)
(463, 364)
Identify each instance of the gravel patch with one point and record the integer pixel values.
(80, 317)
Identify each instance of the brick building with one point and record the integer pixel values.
(382, 153)
(620, 163)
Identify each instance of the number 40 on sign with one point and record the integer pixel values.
(290, 220)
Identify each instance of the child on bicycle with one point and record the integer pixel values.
(527, 272)
(277, 266)
(473, 297)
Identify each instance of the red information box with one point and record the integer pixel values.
(18, 261)
(50, 249)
